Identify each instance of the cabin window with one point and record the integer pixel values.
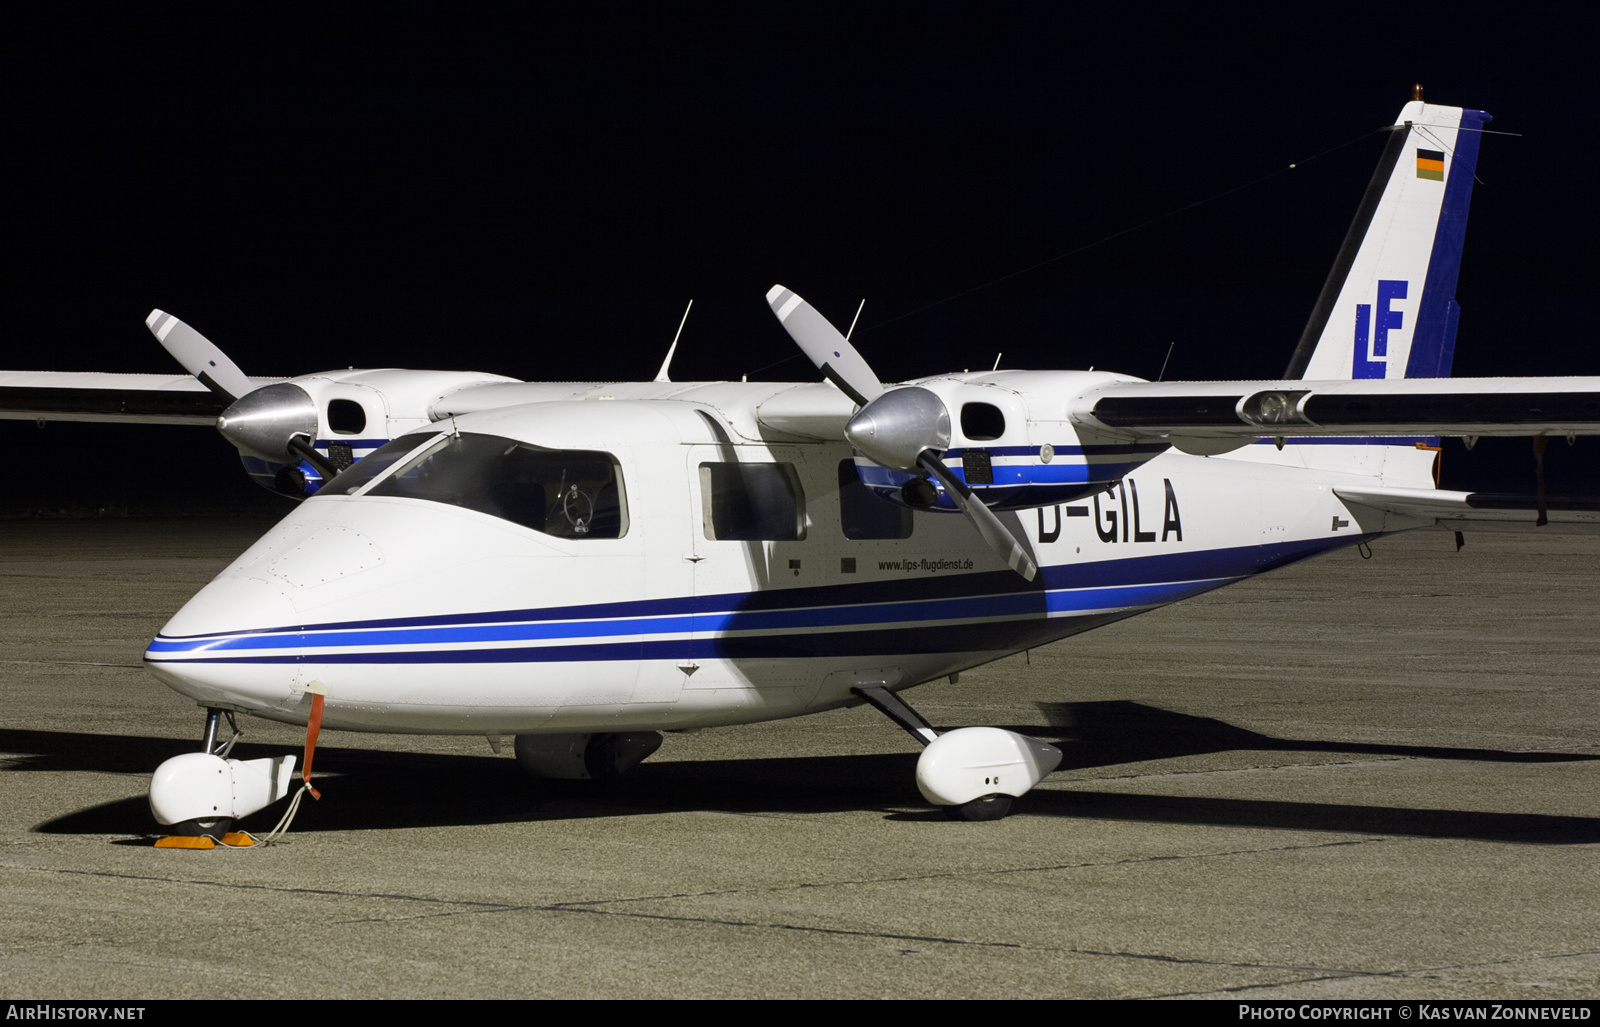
(569, 493)
(346, 417)
(750, 502)
(862, 514)
(982, 422)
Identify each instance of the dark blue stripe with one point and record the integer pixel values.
(1021, 605)
(1118, 449)
(1433, 343)
(1155, 569)
(1015, 486)
(998, 637)
(1013, 475)
(988, 637)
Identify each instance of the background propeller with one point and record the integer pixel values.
(906, 429)
(276, 422)
(199, 356)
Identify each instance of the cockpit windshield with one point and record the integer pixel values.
(568, 493)
(371, 466)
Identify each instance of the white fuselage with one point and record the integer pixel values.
(418, 615)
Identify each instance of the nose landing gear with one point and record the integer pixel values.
(197, 796)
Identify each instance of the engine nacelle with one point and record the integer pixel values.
(200, 786)
(582, 757)
(972, 762)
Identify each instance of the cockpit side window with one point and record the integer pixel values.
(568, 493)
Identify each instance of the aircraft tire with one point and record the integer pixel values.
(211, 827)
(984, 807)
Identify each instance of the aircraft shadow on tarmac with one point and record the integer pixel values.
(367, 789)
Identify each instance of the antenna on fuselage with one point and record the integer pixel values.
(1163, 373)
(661, 375)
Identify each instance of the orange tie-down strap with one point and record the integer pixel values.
(313, 728)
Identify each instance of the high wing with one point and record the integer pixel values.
(99, 396)
(1211, 417)
(1215, 417)
(135, 398)
(1245, 411)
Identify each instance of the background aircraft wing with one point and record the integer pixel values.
(1403, 406)
(1481, 511)
(99, 396)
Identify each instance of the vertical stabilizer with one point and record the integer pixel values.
(1388, 308)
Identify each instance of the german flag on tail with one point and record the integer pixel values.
(1430, 164)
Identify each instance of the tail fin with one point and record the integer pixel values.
(1388, 308)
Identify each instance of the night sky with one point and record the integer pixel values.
(537, 191)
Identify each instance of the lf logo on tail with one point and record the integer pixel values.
(1372, 334)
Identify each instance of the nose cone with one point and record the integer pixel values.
(231, 604)
(221, 648)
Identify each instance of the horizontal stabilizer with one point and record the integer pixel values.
(1481, 511)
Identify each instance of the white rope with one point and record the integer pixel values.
(288, 816)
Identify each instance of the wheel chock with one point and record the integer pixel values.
(185, 841)
(237, 839)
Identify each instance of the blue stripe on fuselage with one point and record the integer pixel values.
(1068, 591)
(1233, 562)
(1011, 606)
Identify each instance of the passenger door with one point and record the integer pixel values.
(749, 539)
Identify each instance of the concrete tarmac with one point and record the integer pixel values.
(1348, 779)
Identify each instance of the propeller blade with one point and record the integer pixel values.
(821, 341)
(989, 526)
(903, 429)
(198, 355)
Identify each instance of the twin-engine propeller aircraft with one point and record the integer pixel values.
(583, 566)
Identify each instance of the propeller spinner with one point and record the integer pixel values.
(907, 429)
